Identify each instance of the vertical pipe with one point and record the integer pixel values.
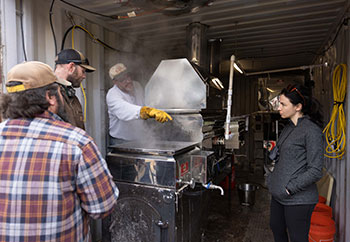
(8, 38)
(214, 56)
(229, 99)
(197, 44)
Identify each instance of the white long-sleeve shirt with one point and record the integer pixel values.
(124, 113)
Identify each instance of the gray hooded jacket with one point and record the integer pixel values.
(300, 164)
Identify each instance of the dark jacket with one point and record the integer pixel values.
(72, 107)
(300, 164)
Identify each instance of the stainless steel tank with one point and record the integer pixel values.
(152, 178)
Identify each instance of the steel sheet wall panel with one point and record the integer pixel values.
(340, 169)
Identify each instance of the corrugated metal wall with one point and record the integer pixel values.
(245, 95)
(340, 169)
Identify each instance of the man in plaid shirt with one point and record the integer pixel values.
(52, 176)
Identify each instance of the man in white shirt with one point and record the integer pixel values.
(126, 107)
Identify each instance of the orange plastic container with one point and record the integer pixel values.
(322, 199)
(323, 209)
(322, 228)
(319, 233)
(321, 219)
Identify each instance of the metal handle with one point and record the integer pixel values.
(162, 225)
(163, 230)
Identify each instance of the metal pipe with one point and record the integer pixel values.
(286, 69)
(181, 189)
(277, 130)
(229, 98)
(191, 183)
(177, 194)
(197, 44)
(212, 186)
(219, 160)
(215, 56)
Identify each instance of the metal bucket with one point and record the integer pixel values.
(246, 193)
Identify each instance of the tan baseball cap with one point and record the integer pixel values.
(30, 75)
(118, 70)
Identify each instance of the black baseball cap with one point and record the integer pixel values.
(67, 56)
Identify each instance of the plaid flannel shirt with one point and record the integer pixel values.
(52, 179)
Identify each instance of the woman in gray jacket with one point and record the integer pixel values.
(292, 183)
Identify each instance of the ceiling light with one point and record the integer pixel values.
(195, 9)
(210, 3)
(217, 83)
(237, 68)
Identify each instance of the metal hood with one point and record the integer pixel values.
(176, 84)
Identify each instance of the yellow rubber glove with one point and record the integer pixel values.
(158, 115)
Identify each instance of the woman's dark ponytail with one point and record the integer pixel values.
(311, 106)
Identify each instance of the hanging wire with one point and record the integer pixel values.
(81, 84)
(129, 15)
(335, 131)
(85, 101)
(91, 35)
(51, 25)
(72, 28)
(92, 12)
(103, 44)
(345, 22)
(22, 32)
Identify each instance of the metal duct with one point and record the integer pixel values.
(214, 56)
(197, 44)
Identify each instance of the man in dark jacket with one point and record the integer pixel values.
(72, 66)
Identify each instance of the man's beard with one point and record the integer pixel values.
(73, 78)
(61, 110)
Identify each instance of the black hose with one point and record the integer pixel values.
(22, 32)
(51, 25)
(98, 40)
(65, 36)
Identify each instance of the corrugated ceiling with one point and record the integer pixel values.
(267, 34)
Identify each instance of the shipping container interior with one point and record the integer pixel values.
(274, 42)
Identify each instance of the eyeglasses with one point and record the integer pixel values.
(292, 89)
(125, 78)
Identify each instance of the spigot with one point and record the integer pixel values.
(212, 186)
(191, 183)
